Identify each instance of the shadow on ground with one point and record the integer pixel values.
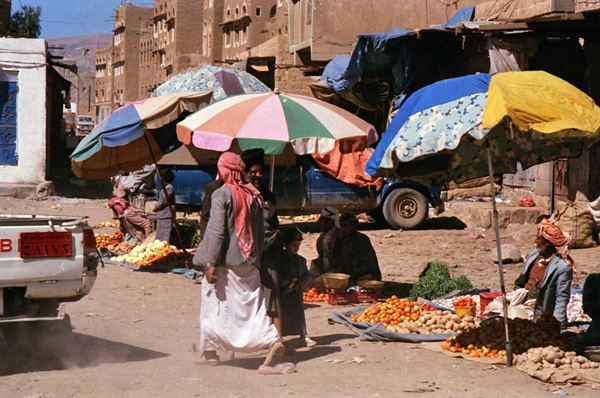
(252, 363)
(73, 351)
(442, 223)
(437, 223)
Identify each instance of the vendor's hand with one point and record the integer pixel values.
(210, 274)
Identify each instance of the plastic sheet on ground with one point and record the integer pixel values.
(378, 332)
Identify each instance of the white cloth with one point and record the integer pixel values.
(233, 312)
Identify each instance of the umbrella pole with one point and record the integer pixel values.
(272, 175)
(552, 188)
(164, 190)
(509, 359)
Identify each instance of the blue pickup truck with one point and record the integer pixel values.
(305, 189)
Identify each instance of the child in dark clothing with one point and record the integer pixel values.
(290, 276)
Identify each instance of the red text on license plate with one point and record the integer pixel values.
(45, 244)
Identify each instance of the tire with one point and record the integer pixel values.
(405, 208)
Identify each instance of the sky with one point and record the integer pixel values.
(64, 18)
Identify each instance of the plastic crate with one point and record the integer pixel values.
(338, 297)
(368, 295)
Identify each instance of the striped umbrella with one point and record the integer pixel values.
(272, 121)
(120, 142)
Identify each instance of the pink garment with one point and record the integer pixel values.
(230, 168)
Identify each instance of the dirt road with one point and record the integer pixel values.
(134, 334)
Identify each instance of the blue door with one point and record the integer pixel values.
(8, 123)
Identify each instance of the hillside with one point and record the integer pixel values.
(74, 49)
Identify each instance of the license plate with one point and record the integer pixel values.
(45, 244)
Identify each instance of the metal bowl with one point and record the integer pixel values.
(333, 280)
(368, 284)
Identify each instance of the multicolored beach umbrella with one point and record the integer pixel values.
(124, 141)
(272, 121)
(223, 82)
(528, 117)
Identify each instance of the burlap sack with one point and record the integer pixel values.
(576, 220)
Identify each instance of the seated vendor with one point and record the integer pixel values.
(329, 225)
(134, 224)
(591, 306)
(353, 252)
(548, 272)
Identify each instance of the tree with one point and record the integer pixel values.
(26, 23)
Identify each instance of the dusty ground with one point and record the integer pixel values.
(134, 334)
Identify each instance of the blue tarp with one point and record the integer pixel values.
(465, 14)
(437, 93)
(381, 51)
(372, 51)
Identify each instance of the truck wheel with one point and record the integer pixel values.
(405, 208)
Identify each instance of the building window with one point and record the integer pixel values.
(237, 12)
(244, 10)
(258, 11)
(309, 12)
(273, 12)
(228, 13)
(9, 91)
(227, 37)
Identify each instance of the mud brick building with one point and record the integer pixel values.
(177, 34)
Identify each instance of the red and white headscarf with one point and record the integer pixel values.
(230, 168)
(550, 231)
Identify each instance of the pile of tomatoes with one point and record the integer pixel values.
(313, 296)
(464, 302)
(392, 312)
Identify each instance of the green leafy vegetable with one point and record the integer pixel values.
(435, 281)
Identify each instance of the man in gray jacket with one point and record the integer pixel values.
(548, 272)
(233, 307)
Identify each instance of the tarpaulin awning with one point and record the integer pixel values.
(347, 163)
(381, 51)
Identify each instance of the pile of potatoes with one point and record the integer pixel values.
(553, 358)
(436, 322)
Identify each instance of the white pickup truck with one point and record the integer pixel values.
(44, 261)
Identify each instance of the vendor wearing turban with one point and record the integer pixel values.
(548, 272)
(254, 159)
(134, 224)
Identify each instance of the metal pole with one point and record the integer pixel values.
(164, 190)
(509, 357)
(272, 175)
(552, 188)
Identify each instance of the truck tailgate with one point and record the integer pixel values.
(40, 253)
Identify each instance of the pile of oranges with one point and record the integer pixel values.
(103, 240)
(392, 312)
(313, 296)
(482, 351)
